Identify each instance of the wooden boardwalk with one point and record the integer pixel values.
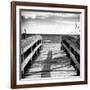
(52, 62)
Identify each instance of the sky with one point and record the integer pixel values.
(50, 22)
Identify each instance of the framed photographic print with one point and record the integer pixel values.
(48, 44)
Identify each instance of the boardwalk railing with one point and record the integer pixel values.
(29, 49)
(70, 46)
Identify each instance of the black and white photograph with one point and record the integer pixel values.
(49, 42)
(45, 55)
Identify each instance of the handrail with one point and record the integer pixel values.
(29, 57)
(72, 57)
(73, 46)
(29, 42)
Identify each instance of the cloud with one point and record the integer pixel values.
(46, 15)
